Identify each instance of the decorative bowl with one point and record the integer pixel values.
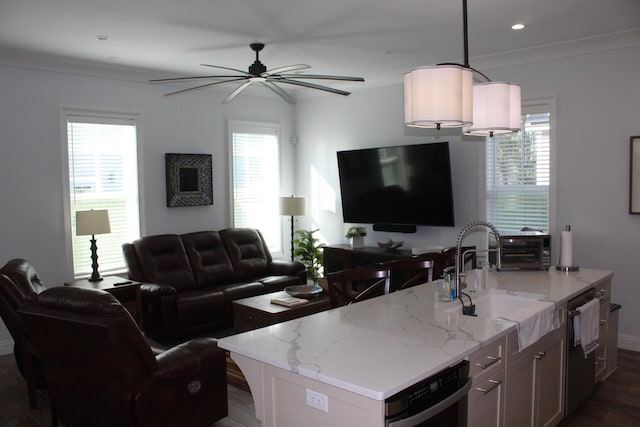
(303, 291)
(390, 245)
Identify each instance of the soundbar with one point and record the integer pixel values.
(396, 228)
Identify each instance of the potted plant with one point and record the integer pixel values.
(309, 250)
(356, 234)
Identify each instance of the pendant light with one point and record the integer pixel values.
(444, 95)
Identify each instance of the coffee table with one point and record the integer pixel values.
(258, 312)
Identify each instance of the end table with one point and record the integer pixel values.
(126, 291)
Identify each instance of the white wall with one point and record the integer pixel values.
(598, 109)
(31, 159)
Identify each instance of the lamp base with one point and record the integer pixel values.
(95, 276)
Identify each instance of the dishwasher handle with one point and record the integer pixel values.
(434, 410)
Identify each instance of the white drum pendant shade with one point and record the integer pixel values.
(438, 96)
(496, 109)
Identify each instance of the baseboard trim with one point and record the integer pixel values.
(6, 347)
(629, 342)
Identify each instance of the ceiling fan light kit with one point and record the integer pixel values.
(258, 73)
(445, 95)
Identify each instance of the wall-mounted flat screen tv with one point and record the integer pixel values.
(408, 184)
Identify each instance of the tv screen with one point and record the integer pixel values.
(408, 184)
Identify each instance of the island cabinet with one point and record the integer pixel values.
(535, 380)
(485, 402)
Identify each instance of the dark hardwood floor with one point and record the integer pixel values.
(615, 403)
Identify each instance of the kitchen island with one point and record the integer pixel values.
(358, 355)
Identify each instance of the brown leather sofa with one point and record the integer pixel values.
(102, 372)
(18, 279)
(190, 280)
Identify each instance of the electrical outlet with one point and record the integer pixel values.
(317, 400)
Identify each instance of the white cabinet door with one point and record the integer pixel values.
(549, 383)
(486, 402)
(520, 394)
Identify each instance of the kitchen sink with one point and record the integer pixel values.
(496, 304)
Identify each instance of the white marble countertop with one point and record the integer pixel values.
(378, 347)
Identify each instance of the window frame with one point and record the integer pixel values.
(95, 116)
(533, 105)
(233, 127)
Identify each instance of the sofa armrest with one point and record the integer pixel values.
(190, 384)
(152, 290)
(285, 268)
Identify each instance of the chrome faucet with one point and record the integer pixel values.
(468, 229)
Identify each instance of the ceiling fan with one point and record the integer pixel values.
(258, 73)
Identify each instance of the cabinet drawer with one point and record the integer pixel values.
(487, 360)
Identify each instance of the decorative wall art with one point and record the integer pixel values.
(634, 176)
(189, 181)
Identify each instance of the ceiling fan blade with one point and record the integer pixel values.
(244, 73)
(322, 77)
(277, 89)
(237, 91)
(186, 79)
(204, 86)
(314, 86)
(285, 69)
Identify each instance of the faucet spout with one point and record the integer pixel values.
(468, 229)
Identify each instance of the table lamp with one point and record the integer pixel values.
(90, 223)
(292, 206)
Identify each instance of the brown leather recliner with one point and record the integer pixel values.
(101, 371)
(18, 279)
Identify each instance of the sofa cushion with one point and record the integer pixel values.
(247, 251)
(200, 306)
(208, 258)
(163, 260)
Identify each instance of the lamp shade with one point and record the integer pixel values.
(438, 96)
(92, 222)
(292, 206)
(496, 109)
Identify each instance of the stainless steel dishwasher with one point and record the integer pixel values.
(580, 370)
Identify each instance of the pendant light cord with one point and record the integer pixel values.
(465, 37)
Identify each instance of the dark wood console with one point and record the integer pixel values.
(339, 257)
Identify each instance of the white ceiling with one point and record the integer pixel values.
(376, 39)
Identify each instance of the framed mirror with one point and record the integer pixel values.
(189, 179)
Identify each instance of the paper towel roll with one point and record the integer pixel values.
(566, 254)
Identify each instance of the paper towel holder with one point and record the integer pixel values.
(566, 268)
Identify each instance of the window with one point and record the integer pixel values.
(519, 173)
(256, 180)
(103, 174)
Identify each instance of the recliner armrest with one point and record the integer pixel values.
(188, 389)
(189, 358)
(285, 268)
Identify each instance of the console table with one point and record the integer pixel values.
(339, 257)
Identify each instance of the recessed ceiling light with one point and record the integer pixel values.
(517, 26)
(103, 38)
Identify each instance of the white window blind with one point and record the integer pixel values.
(256, 181)
(103, 174)
(519, 176)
